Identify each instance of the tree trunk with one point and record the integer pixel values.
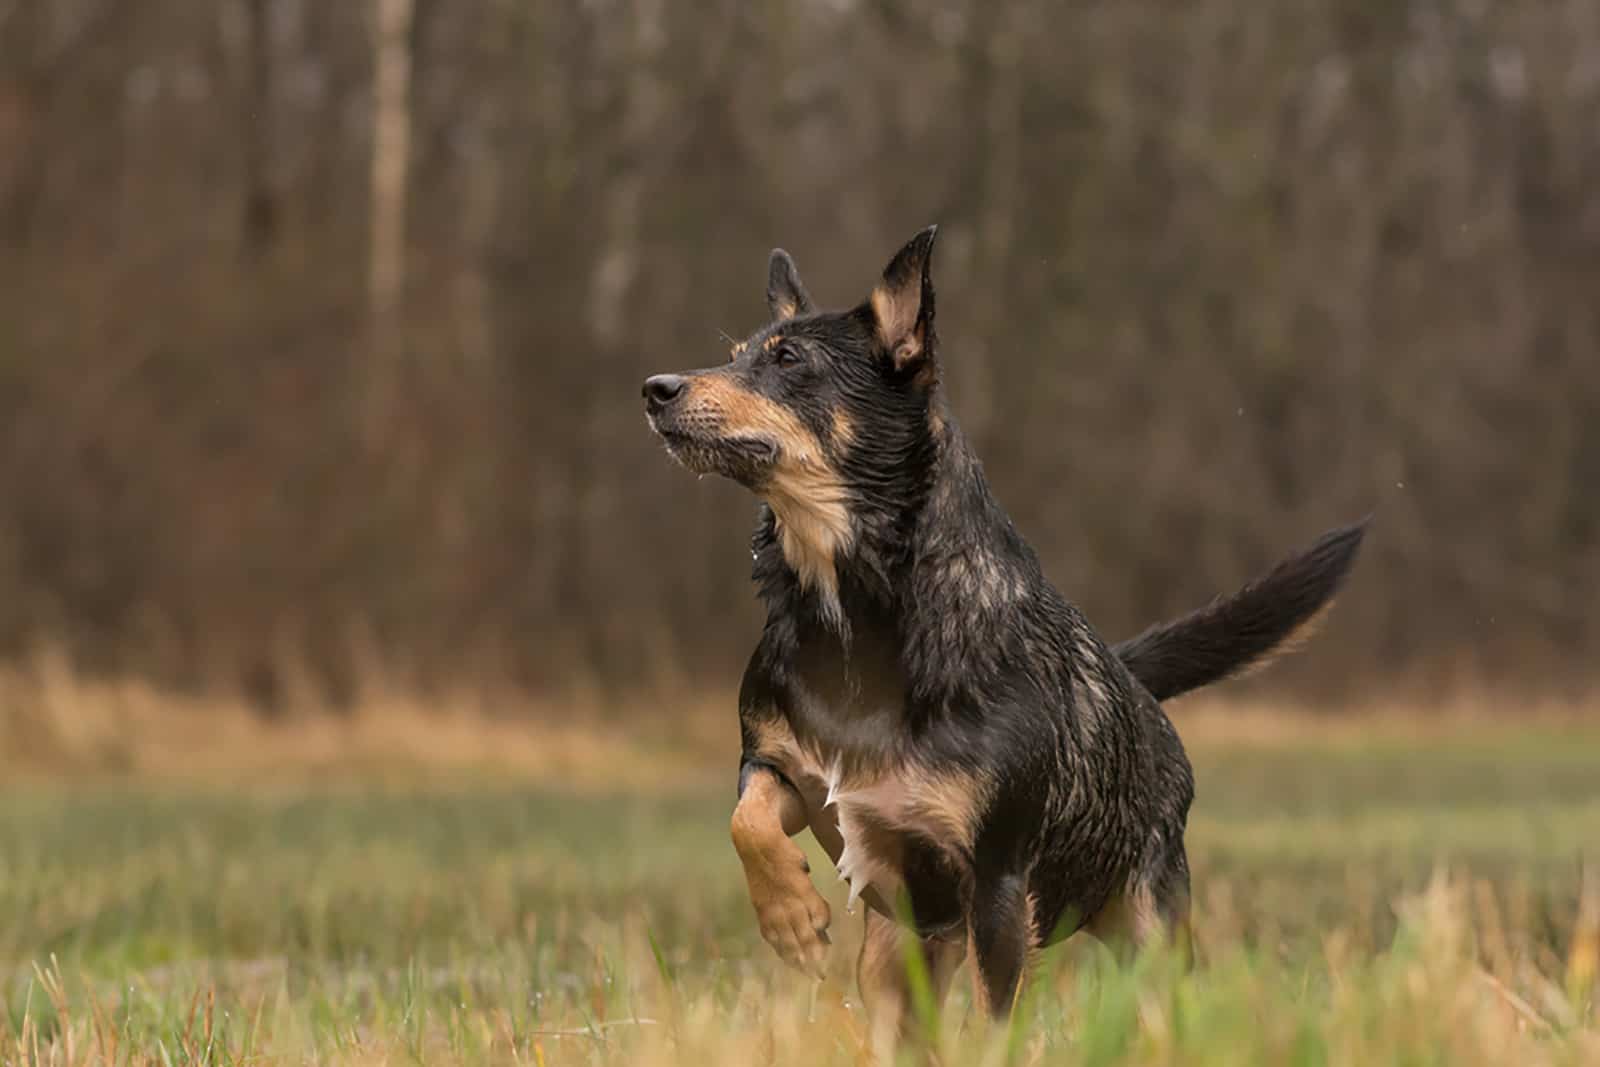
(391, 149)
(617, 265)
(259, 221)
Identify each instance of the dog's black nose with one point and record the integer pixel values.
(661, 390)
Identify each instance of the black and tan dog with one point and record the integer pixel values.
(962, 744)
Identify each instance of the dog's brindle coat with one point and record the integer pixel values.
(960, 741)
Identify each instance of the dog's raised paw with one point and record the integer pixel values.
(793, 916)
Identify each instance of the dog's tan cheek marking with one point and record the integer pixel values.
(736, 408)
(805, 492)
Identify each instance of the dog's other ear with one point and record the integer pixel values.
(786, 297)
(902, 303)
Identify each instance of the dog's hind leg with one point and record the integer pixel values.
(883, 971)
(1154, 907)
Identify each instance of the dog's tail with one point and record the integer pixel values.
(1274, 613)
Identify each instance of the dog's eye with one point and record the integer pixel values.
(787, 356)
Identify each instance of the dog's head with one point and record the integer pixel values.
(812, 390)
(817, 412)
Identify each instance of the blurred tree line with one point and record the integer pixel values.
(321, 323)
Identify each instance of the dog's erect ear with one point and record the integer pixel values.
(786, 297)
(902, 304)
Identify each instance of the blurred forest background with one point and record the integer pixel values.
(322, 322)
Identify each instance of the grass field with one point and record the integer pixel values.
(1410, 897)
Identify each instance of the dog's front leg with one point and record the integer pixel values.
(883, 971)
(792, 914)
(1000, 935)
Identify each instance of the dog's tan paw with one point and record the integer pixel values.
(792, 915)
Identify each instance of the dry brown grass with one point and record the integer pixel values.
(55, 721)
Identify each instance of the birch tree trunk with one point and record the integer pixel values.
(617, 265)
(391, 150)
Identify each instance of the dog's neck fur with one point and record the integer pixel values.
(812, 523)
(930, 550)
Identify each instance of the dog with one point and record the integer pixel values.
(987, 774)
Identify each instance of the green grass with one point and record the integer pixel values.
(1390, 902)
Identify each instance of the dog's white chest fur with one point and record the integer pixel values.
(852, 783)
(872, 801)
(883, 802)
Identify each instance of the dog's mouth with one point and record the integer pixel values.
(702, 450)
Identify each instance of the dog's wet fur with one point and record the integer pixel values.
(976, 760)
